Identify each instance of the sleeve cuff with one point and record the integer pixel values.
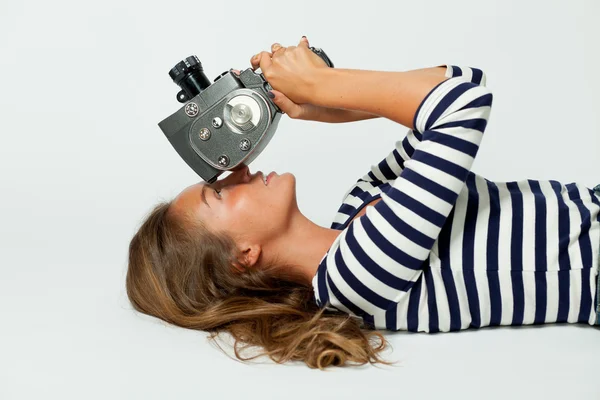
(474, 75)
(422, 116)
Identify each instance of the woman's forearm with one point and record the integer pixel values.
(393, 95)
(335, 115)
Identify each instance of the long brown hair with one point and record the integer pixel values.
(182, 273)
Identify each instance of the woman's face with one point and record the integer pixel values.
(244, 207)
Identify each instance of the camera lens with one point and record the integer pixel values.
(189, 75)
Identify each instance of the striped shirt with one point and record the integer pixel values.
(446, 249)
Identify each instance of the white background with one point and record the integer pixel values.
(82, 160)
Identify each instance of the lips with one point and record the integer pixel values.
(265, 179)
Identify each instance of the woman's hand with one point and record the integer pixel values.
(293, 110)
(290, 70)
(306, 111)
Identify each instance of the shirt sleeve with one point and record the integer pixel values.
(376, 260)
(392, 165)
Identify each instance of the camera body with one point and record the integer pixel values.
(224, 123)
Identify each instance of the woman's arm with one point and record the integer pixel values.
(393, 95)
(303, 77)
(311, 112)
(379, 257)
(392, 165)
(339, 115)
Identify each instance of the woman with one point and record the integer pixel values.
(445, 250)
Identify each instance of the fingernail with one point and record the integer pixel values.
(271, 94)
(303, 37)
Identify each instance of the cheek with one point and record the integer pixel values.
(239, 205)
(253, 205)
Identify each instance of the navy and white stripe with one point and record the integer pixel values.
(446, 249)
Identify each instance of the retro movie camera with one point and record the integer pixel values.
(224, 123)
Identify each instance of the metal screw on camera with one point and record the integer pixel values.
(204, 134)
(245, 144)
(191, 109)
(223, 161)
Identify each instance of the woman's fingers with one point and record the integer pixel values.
(285, 69)
(275, 47)
(303, 42)
(292, 109)
(255, 61)
(278, 50)
(264, 61)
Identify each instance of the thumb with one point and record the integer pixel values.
(303, 42)
(292, 109)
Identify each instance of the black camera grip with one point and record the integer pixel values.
(318, 51)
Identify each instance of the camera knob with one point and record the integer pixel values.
(241, 114)
(220, 76)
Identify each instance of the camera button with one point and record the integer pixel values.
(217, 122)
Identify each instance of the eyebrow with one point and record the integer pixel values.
(203, 196)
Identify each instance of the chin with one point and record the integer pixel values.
(291, 178)
(285, 186)
(285, 176)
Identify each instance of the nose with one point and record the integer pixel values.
(243, 172)
(241, 169)
(239, 174)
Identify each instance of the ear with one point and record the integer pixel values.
(248, 258)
